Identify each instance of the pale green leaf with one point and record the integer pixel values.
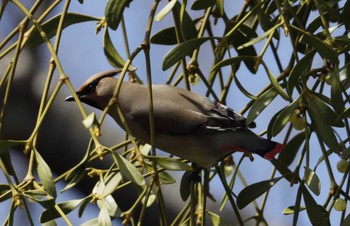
(170, 163)
(103, 217)
(217, 220)
(66, 207)
(231, 61)
(129, 171)
(165, 178)
(111, 184)
(112, 54)
(275, 83)
(182, 50)
(312, 181)
(291, 210)
(90, 120)
(45, 174)
(163, 12)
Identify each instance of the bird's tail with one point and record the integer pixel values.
(270, 154)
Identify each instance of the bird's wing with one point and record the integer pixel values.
(178, 111)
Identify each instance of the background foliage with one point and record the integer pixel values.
(299, 53)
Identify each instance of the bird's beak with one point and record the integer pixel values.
(69, 99)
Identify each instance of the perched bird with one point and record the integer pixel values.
(187, 125)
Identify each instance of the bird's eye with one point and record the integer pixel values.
(91, 87)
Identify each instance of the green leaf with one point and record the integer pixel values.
(199, 5)
(330, 10)
(166, 36)
(260, 104)
(187, 25)
(151, 198)
(291, 149)
(185, 185)
(114, 12)
(324, 50)
(75, 176)
(345, 17)
(336, 91)
(166, 178)
(297, 206)
(170, 163)
(231, 61)
(77, 173)
(344, 114)
(50, 26)
(320, 115)
(5, 188)
(266, 23)
(312, 181)
(283, 169)
(129, 171)
(326, 134)
(275, 83)
(301, 69)
(217, 220)
(6, 145)
(252, 192)
(318, 107)
(66, 208)
(316, 213)
(241, 88)
(182, 50)
(112, 54)
(346, 221)
(163, 12)
(45, 174)
(291, 210)
(2, 7)
(283, 117)
(243, 35)
(260, 38)
(220, 5)
(46, 203)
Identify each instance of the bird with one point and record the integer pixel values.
(186, 124)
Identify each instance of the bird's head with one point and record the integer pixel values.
(98, 89)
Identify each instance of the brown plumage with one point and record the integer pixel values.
(186, 124)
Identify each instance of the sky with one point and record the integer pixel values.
(81, 55)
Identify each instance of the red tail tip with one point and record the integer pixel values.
(271, 154)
